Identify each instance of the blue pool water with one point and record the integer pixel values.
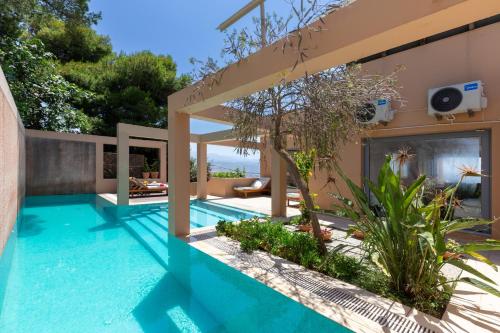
(77, 264)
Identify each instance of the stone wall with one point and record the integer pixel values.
(12, 163)
(60, 166)
(110, 160)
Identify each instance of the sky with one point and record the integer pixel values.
(180, 28)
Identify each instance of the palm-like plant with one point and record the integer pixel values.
(407, 237)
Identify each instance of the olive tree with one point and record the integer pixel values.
(319, 111)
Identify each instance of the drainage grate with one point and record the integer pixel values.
(379, 315)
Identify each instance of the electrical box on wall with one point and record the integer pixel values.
(376, 112)
(459, 98)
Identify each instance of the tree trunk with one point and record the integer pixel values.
(306, 195)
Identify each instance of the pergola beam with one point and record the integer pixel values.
(218, 114)
(361, 29)
(239, 14)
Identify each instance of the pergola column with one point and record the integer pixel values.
(178, 173)
(122, 165)
(278, 185)
(201, 158)
(163, 162)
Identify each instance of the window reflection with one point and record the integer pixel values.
(440, 158)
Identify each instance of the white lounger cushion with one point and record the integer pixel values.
(257, 184)
(243, 188)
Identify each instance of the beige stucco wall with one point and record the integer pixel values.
(12, 169)
(223, 187)
(470, 56)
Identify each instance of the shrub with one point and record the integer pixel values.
(341, 266)
(302, 249)
(407, 237)
(272, 237)
(236, 173)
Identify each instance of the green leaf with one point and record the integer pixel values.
(481, 285)
(488, 245)
(412, 191)
(482, 259)
(462, 265)
(466, 223)
(429, 238)
(375, 258)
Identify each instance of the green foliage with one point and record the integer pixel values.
(83, 87)
(128, 88)
(236, 173)
(45, 100)
(302, 248)
(74, 42)
(408, 239)
(193, 170)
(155, 166)
(340, 266)
(305, 163)
(20, 16)
(146, 167)
(295, 220)
(12, 13)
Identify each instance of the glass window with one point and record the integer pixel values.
(440, 157)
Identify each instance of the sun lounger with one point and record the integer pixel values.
(260, 185)
(293, 196)
(139, 188)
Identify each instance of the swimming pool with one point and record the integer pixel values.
(77, 264)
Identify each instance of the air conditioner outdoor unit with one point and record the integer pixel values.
(459, 98)
(376, 112)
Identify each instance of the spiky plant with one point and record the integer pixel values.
(408, 238)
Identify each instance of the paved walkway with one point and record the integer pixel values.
(470, 310)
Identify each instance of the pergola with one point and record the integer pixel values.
(361, 29)
(126, 131)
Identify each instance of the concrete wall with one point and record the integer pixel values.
(12, 164)
(60, 166)
(55, 153)
(474, 55)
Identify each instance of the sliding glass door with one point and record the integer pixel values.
(440, 157)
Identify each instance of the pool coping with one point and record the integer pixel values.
(396, 316)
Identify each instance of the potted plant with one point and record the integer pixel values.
(326, 234)
(452, 250)
(154, 169)
(305, 227)
(145, 170)
(305, 221)
(356, 233)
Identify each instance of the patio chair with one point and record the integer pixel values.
(260, 185)
(139, 188)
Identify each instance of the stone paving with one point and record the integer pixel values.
(470, 310)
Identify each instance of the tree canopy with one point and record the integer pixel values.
(73, 42)
(126, 88)
(44, 99)
(64, 76)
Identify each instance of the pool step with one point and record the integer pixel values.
(151, 234)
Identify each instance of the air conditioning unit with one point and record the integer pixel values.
(459, 98)
(376, 112)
